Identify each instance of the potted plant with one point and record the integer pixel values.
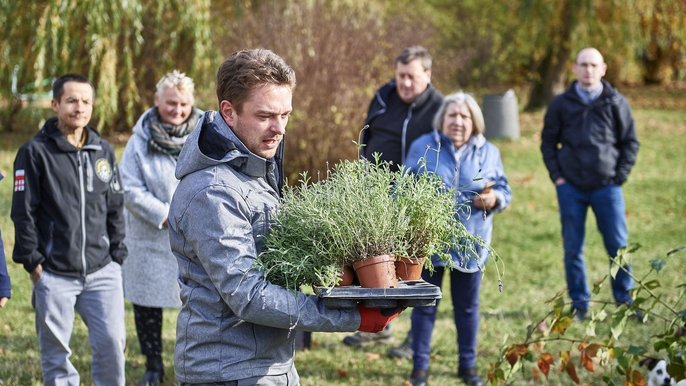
(361, 210)
(324, 226)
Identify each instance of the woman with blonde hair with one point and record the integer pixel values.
(147, 171)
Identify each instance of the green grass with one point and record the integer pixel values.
(526, 236)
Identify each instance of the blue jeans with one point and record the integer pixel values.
(607, 204)
(464, 291)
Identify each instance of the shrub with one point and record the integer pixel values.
(603, 343)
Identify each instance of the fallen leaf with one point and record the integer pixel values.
(373, 356)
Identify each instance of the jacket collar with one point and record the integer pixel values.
(477, 141)
(608, 92)
(227, 147)
(53, 133)
(385, 93)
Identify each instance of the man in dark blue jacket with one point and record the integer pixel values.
(67, 210)
(400, 112)
(589, 146)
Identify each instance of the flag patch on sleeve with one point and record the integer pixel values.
(19, 180)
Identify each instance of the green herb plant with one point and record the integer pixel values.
(362, 209)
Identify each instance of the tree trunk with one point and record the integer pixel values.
(551, 70)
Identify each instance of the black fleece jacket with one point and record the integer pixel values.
(394, 124)
(67, 205)
(589, 145)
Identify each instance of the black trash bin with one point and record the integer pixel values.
(501, 115)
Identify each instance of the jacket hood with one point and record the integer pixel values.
(212, 143)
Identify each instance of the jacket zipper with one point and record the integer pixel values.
(403, 139)
(82, 207)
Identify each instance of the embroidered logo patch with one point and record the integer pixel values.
(103, 170)
(19, 180)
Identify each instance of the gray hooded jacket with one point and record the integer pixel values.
(233, 323)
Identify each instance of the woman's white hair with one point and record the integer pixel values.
(461, 97)
(177, 80)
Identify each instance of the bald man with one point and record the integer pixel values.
(589, 146)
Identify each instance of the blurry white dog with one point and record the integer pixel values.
(658, 375)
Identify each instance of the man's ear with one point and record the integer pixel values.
(228, 112)
(54, 104)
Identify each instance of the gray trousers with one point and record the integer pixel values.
(99, 299)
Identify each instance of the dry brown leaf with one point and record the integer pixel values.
(373, 356)
(545, 360)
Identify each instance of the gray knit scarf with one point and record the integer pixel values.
(169, 139)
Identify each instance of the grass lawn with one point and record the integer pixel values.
(527, 237)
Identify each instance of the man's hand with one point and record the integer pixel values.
(36, 274)
(376, 319)
(3, 301)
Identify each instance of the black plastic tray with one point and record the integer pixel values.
(415, 293)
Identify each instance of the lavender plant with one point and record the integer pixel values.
(361, 209)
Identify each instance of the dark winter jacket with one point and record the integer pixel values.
(394, 124)
(67, 205)
(589, 145)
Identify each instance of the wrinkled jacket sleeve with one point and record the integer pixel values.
(627, 141)
(115, 213)
(501, 188)
(550, 137)
(24, 206)
(137, 197)
(218, 225)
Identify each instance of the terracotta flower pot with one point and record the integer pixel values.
(409, 269)
(376, 272)
(348, 276)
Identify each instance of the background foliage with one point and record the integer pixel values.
(342, 51)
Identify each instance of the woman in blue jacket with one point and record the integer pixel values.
(461, 156)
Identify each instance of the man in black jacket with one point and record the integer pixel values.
(401, 111)
(589, 146)
(67, 210)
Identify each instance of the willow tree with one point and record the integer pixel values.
(663, 28)
(122, 46)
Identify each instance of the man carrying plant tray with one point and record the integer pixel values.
(234, 326)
